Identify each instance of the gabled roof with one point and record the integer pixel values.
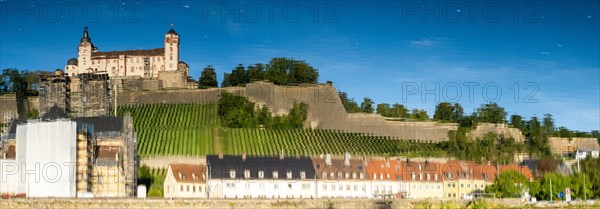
(338, 166)
(423, 169)
(55, 113)
(188, 173)
(223, 168)
(385, 168)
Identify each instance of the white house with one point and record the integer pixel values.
(260, 177)
(185, 181)
(387, 178)
(584, 153)
(341, 178)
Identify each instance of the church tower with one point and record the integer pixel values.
(171, 50)
(85, 50)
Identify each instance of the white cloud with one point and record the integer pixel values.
(546, 53)
(186, 6)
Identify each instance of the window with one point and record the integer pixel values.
(462, 186)
(181, 188)
(339, 175)
(289, 174)
(381, 176)
(340, 187)
(246, 173)
(347, 175)
(261, 174)
(428, 177)
(354, 175)
(324, 187)
(194, 189)
(468, 185)
(355, 187)
(305, 186)
(374, 175)
(232, 173)
(188, 188)
(331, 175)
(302, 174)
(132, 69)
(362, 175)
(333, 187)
(397, 167)
(364, 188)
(276, 186)
(347, 187)
(388, 176)
(261, 186)
(247, 186)
(275, 174)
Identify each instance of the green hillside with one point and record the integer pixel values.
(190, 129)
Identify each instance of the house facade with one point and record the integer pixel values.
(185, 181)
(237, 177)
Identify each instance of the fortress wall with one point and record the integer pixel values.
(325, 110)
(560, 145)
(197, 96)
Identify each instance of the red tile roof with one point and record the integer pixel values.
(189, 173)
(390, 170)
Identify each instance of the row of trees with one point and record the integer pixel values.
(237, 112)
(280, 71)
(384, 109)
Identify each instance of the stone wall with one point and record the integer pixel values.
(8, 107)
(499, 129)
(325, 110)
(561, 145)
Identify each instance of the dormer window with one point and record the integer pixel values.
(421, 176)
(381, 176)
(374, 175)
(232, 173)
(195, 177)
(435, 176)
(347, 175)
(302, 174)
(247, 173)
(288, 174)
(275, 174)
(261, 174)
(428, 177)
(331, 175)
(180, 176)
(388, 176)
(324, 175)
(353, 175)
(413, 176)
(362, 175)
(339, 175)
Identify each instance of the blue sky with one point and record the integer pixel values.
(389, 51)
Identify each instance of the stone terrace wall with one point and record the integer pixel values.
(561, 145)
(500, 129)
(325, 110)
(184, 96)
(8, 107)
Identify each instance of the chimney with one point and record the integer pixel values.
(281, 156)
(244, 156)
(346, 159)
(328, 159)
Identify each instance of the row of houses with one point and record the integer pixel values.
(329, 177)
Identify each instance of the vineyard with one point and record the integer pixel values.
(315, 142)
(188, 130)
(174, 129)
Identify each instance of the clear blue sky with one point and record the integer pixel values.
(385, 50)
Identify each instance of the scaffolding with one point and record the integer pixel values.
(94, 96)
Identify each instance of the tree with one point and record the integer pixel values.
(446, 112)
(277, 70)
(491, 113)
(301, 72)
(546, 165)
(418, 114)
(256, 72)
(208, 79)
(591, 167)
(517, 122)
(349, 104)
(548, 125)
(367, 105)
(509, 184)
(383, 109)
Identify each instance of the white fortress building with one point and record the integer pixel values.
(159, 63)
